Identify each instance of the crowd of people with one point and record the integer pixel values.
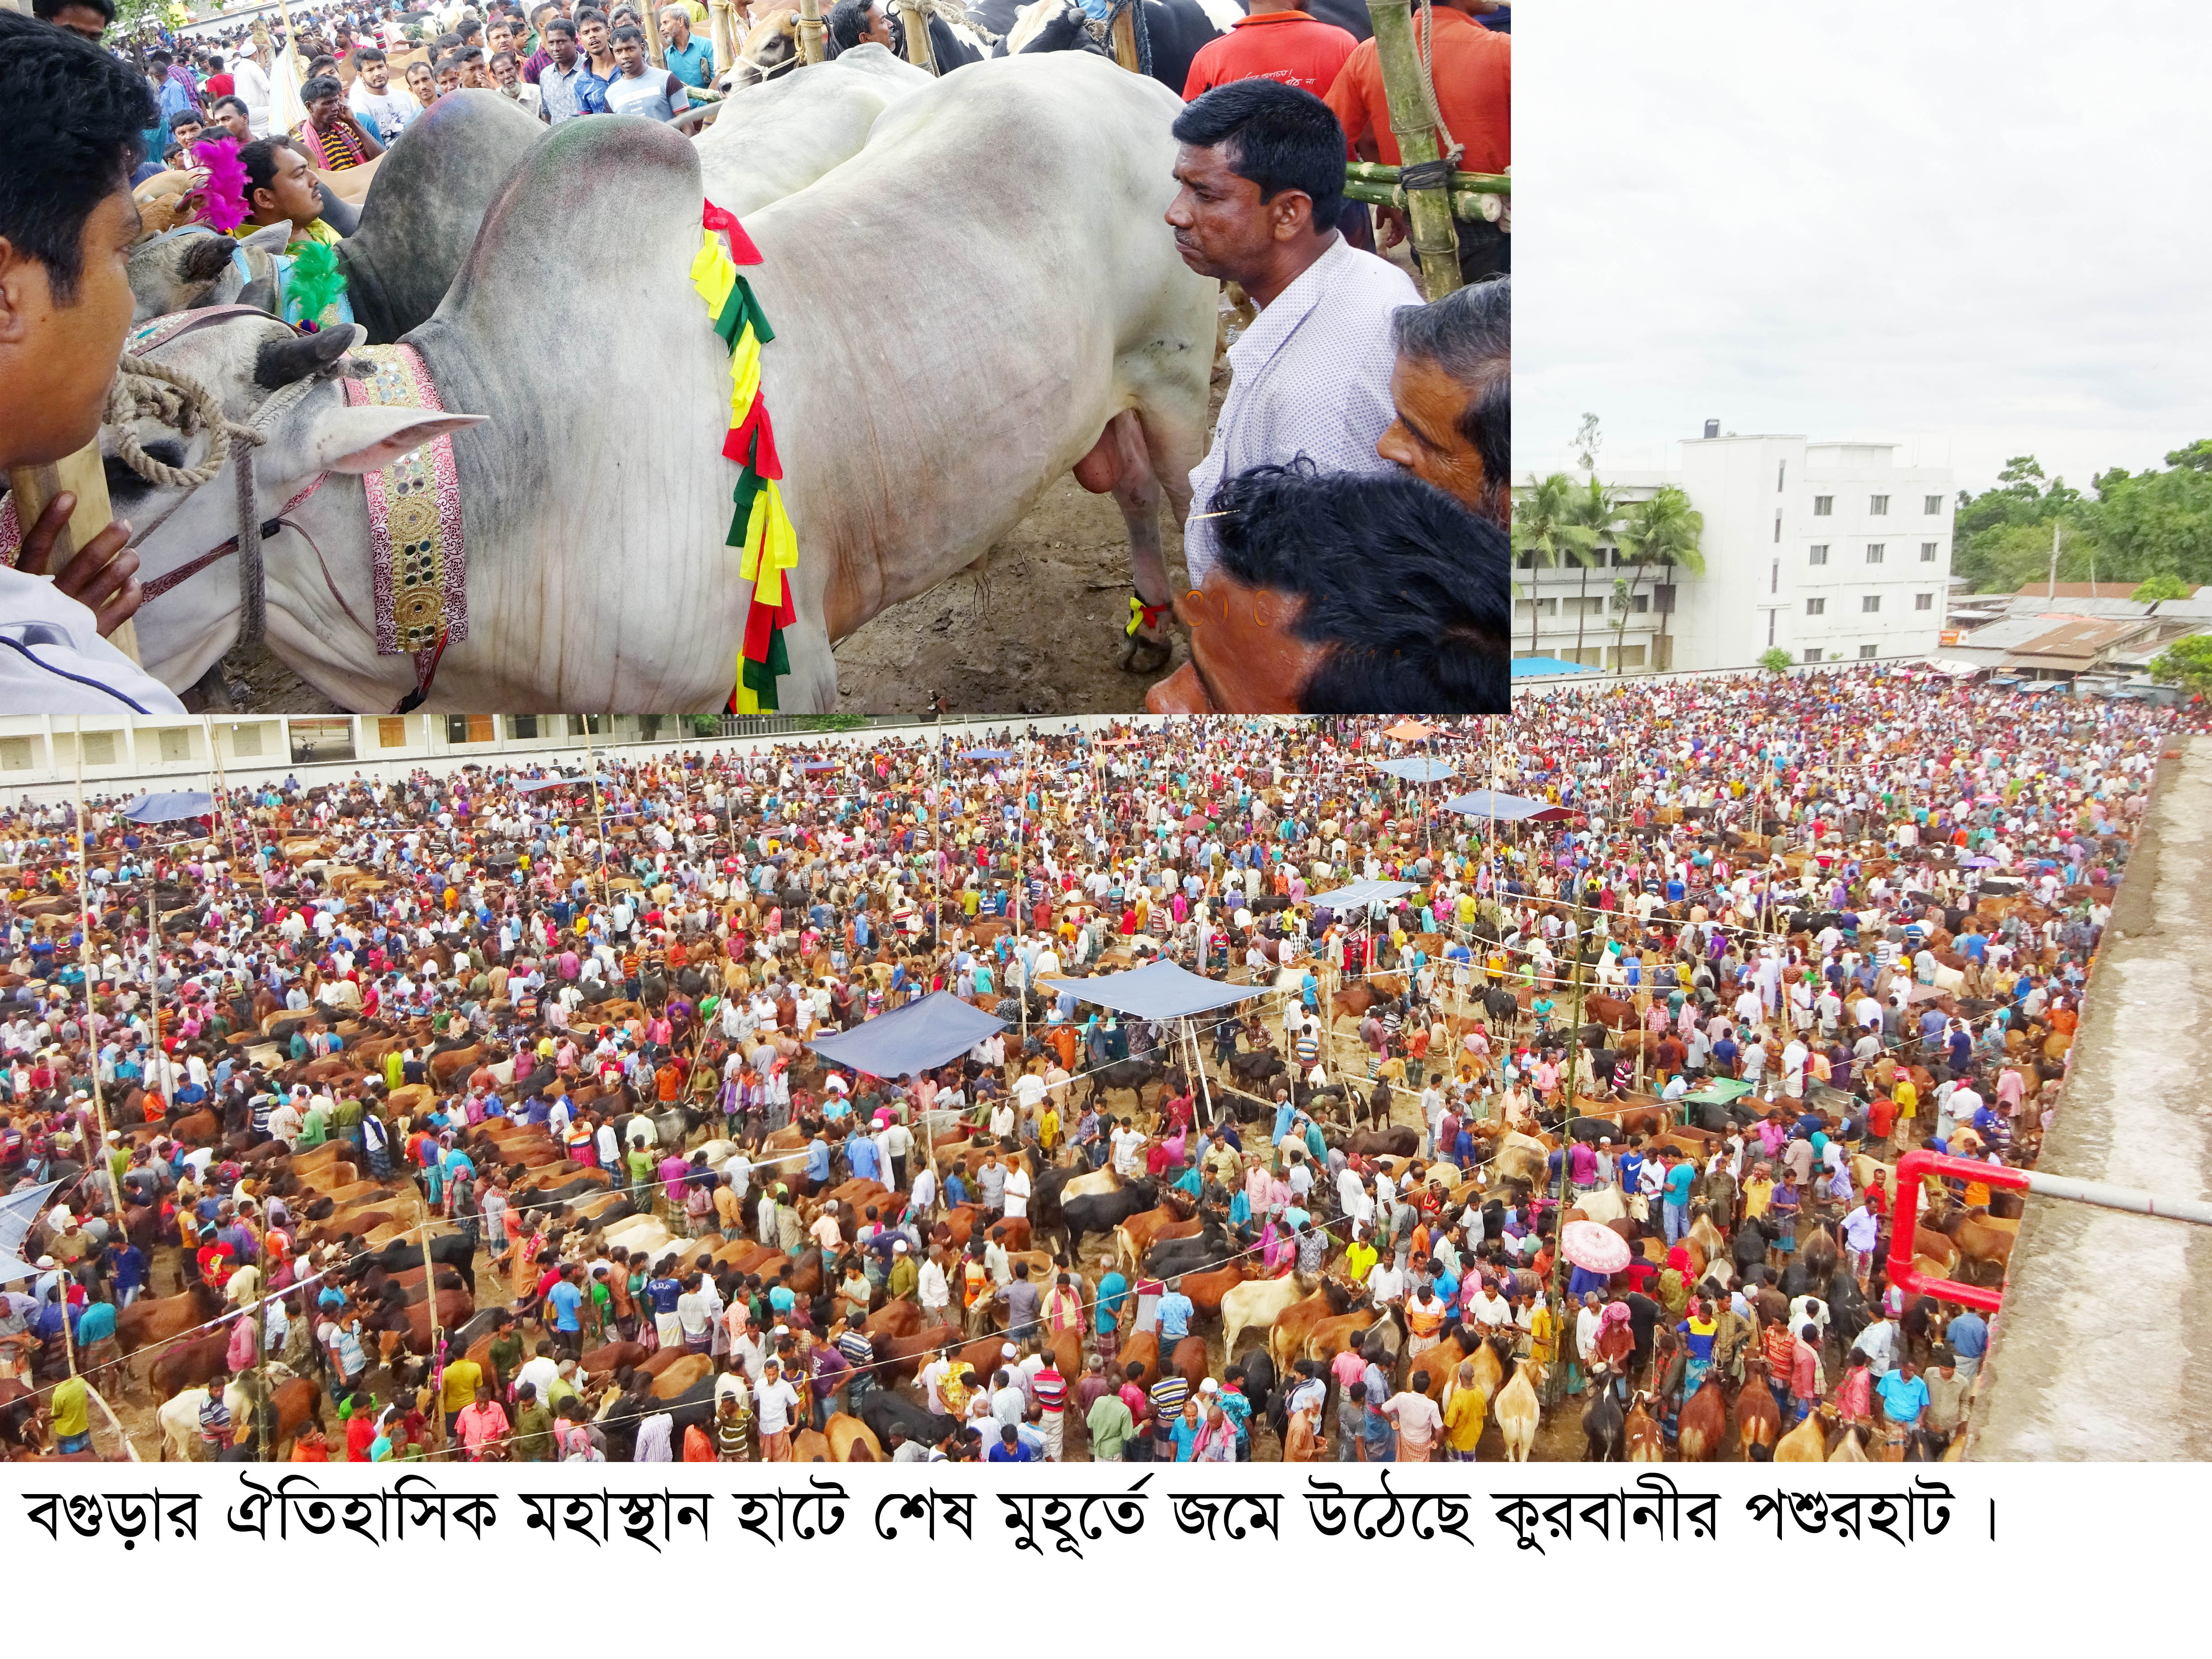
(1346, 549)
(1900, 965)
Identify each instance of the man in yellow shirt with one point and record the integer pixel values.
(1359, 1258)
(463, 1378)
(71, 1409)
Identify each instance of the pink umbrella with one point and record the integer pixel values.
(1592, 1245)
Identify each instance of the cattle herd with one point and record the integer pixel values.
(463, 1115)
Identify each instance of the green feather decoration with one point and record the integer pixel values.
(316, 281)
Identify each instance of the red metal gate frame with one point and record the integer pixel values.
(1914, 1167)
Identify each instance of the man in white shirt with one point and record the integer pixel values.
(389, 108)
(251, 80)
(1312, 374)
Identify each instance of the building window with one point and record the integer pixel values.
(1638, 602)
(1812, 654)
(246, 742)
(1823, 505)
(1778, 524)
(1819, 554)
(1816, 607)
(1770, 616)
(1923, 601)
(321, 741)
(1877, 505)
(98, 748)
(1931, 505)
(1867, 652)
(1774, 577)
(581, 725)
(18, 754)
(176, 743)
(1628, 656)
(469, 728)
(392, 731)
(1870, 603)
(522, 726)
(1875, 551)
(1927, 552)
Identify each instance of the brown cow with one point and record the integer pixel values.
(156, 1319)
(1286, 1337)
(674, 1380)
(1357, 998)
(1703, 1423)
(1758, 1419)
(851, 1441)
(1139, 1348)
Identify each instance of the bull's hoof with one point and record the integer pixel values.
(1138, 657)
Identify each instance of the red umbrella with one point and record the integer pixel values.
(1592, 1245)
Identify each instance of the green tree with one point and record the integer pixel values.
(1545, 533)
(1596, 511)
(2186, 663)
(1775, 661)
(2161, 588)
(1665, 530)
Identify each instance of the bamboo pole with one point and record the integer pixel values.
(651, 14)
(919, 51)
(83, 474)
(1436, 244)
(810, 48)
(85, 954)
(1123, 33)
(722, 33)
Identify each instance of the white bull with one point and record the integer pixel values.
(983, 297)
(774, 138)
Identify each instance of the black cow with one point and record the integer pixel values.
(884, 1410)
(1170, 34)
(446, 1250)
(1251, 1070)
(1501, 1004)
(1131, 1074)
(1208, 1248)
(1101, 1212)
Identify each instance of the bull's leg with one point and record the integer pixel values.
(1119, 464)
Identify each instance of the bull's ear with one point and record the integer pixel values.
(206, 259)
(270, 238)
(368, 439)
(281, 362)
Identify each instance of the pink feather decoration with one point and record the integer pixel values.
(224, 205)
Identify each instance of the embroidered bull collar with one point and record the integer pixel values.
(759, 526)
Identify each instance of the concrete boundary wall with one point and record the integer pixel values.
(2104, 1349)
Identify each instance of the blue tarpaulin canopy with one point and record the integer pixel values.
(938, 1027)
(1361, 893)
(165, 809)
(17, 1211)
(986, 753)
(1159, 990)
(1510, 809)
(1415, 769)
(1523, 667)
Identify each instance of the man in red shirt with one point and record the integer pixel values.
(1282, 43)
(1473, 71)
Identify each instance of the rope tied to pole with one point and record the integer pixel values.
(1424, 47)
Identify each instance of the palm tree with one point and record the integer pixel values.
(1546, 531)
(1663, 530)
(1595, 510)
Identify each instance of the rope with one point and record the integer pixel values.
(146, 390)
(1424, 47)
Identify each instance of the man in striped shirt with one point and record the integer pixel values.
(333, 133)
(1048, 1388)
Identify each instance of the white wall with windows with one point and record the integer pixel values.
(1834, 552)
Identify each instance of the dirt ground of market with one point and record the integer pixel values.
(1559, 1438)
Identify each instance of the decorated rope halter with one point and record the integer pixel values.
(759, 526)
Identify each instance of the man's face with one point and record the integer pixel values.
(505, 72)
(592, 37)
(232, 120)
(1425, 438)
(323, 110)
(71, 348)
(630, 57)
(187, 132)
(81, 19)
(376, 75)
(420, 83)
(676, 27)
(1244, 658)
(1222, 226)
(501, 37)
(448, 81)
(293, 196)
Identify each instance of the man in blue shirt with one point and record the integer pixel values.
(1969, 1337)
(690, 59)
(818, 1161)
(1174, 1314)
(565, 1298)
(1010, 1449)
(1903, 1398)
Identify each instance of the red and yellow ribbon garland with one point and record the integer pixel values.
(759, 526)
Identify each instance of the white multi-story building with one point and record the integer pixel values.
(1833, 552)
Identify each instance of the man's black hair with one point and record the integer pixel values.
(321, 86)
(1280, 137)
(558, 26)
(630, 32)
(1405, 587)
(367, 55)
(45, 10)
(259, 161)
(159, 59)
(77, 125)
(848, 21)
(590, 14)
(1469, 334)
(215, 108)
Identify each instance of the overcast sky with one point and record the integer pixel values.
(1978, 229)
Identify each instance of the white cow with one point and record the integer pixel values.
(773, 137)
(982, 298)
